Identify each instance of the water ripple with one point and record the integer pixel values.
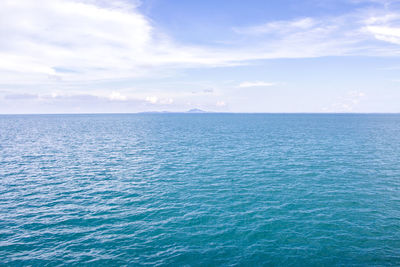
(200, 189)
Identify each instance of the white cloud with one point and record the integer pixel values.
(384, 33)
(256, 84)
(45, 35)
(117, 96)
(71, 40)
(166, 101)
(152, 99)
(56, 41)
(354, 33)
(157, 100)
(221, 104)
(384, 27)
(346, 103)
(278, 26)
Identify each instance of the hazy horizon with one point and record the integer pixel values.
(161, 112)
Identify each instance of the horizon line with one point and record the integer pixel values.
(204, 112)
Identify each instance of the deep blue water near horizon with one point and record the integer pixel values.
(200, 189)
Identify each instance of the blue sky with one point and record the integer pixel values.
(89, 56)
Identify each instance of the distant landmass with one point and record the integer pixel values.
(194, 110)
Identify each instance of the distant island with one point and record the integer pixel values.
(194, 110)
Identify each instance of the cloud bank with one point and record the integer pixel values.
(256, 84)
(53, 40)
(71, 40)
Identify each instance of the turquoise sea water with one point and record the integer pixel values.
(200, 190)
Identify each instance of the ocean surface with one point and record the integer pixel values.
(200, 190)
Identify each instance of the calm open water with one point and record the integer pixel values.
(200, 189)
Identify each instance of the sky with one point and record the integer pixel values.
(123, 56)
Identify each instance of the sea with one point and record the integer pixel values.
(200, 190)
